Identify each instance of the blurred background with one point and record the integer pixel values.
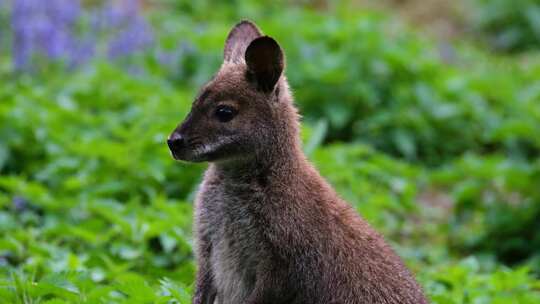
(425, 115)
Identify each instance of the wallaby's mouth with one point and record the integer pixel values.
(188, 155)
(179, 147)
(177, 155)
(185, 150)
(194, 150)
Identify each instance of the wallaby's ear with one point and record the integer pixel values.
(238, 40)
(264, 59)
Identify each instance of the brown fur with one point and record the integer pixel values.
(269, 229)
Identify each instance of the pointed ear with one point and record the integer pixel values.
(265, 63)
(238, 40)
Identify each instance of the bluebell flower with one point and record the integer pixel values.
(134, 33)
(47, 29)
(44, 28)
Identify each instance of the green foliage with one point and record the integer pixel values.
(94, 210)
(88, 187)
(497, 207)
(391, 89)
(109, 134)
(509, 25)
(464, 282)
(79, 287)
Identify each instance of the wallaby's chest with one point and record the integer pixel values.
(232, 226)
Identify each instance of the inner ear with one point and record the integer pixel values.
(264, 59)
(238, 40)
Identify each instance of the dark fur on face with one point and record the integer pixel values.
(209, 139)
(268, 228)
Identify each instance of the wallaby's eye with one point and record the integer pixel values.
(225, 113)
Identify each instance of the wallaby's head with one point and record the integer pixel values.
(244, 109)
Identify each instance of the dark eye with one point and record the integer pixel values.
(225, 113)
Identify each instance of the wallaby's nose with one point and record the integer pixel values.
(175, 142)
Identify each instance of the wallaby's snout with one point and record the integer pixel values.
(176, 144)
(184, 142)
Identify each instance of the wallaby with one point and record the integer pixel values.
(268, 228)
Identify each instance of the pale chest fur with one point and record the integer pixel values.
(227, 218)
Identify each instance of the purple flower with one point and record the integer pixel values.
(19, 203)
(134, 33)
(48, 29)
(82, 51)
(43, 28)
(134, 37)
